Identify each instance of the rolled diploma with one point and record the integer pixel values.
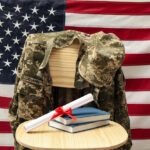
(45, 118)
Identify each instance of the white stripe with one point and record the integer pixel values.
(6, 139)
(136, 71)
(142, 122)
(141, 145)
(107, 21)
(3, 114)
(129, 72)
(140, 97)
(136, 47)
(6, 90)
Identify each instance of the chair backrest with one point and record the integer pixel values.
(62, 64)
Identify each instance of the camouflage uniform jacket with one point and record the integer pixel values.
(34, 94)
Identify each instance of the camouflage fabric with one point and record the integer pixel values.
(34, 94)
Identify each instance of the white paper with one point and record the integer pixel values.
(45, 118)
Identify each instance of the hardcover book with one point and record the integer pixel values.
(84, 114)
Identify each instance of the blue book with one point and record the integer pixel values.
(74, 128)
(84, 114)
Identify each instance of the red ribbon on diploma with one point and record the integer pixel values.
(61, 112)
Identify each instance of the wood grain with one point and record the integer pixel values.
(62, 64)
(48, 138)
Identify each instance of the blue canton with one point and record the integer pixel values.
(18, 18)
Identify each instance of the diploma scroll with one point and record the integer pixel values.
(45, 118)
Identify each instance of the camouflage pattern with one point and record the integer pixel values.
(34, 94)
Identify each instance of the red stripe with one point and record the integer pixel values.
(4, 102)
(139, 109)
(136, 59)
(6, 148)
(5, 127)
(137, 84)
(138, 134)
(105, 7)
(123, 34)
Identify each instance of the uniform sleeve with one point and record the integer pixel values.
(120, 107)
(32, 97)
(13, 106)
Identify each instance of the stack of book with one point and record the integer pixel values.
(87, 118)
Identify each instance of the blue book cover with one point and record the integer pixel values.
(83, 115)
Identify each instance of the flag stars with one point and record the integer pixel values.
(17, 8)
(7, 63)
(25, 33)
(8, 16)
(34, 10)
(7, 48)
(51, 28)
(1, 7)
(15, 56)
(8, 32)
(26, 17)
(34, 26)
(1, 40)
(52, 11)
(17, 24)
(16, 41)
(1, 71)
(14, 71)
(1, 23)
(1, 55)
(43, 19)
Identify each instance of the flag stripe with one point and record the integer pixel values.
(136, 59)
(139, 109)
(141, 144)
(123, 34)
(113, 21)
(140, 97)
(137, 85)
(6, 147)
(6, 139)
(140, 134)
(102, 7)
(4, 114)
(132, 72)
(140, 122)
(4, 102)
(6, 90)
(137, 47)
(5, 127)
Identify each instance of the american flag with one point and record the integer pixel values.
(130, 21)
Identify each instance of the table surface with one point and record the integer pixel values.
(48, 138)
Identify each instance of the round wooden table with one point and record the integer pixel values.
(48, 138)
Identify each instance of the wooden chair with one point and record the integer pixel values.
(62, 69)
